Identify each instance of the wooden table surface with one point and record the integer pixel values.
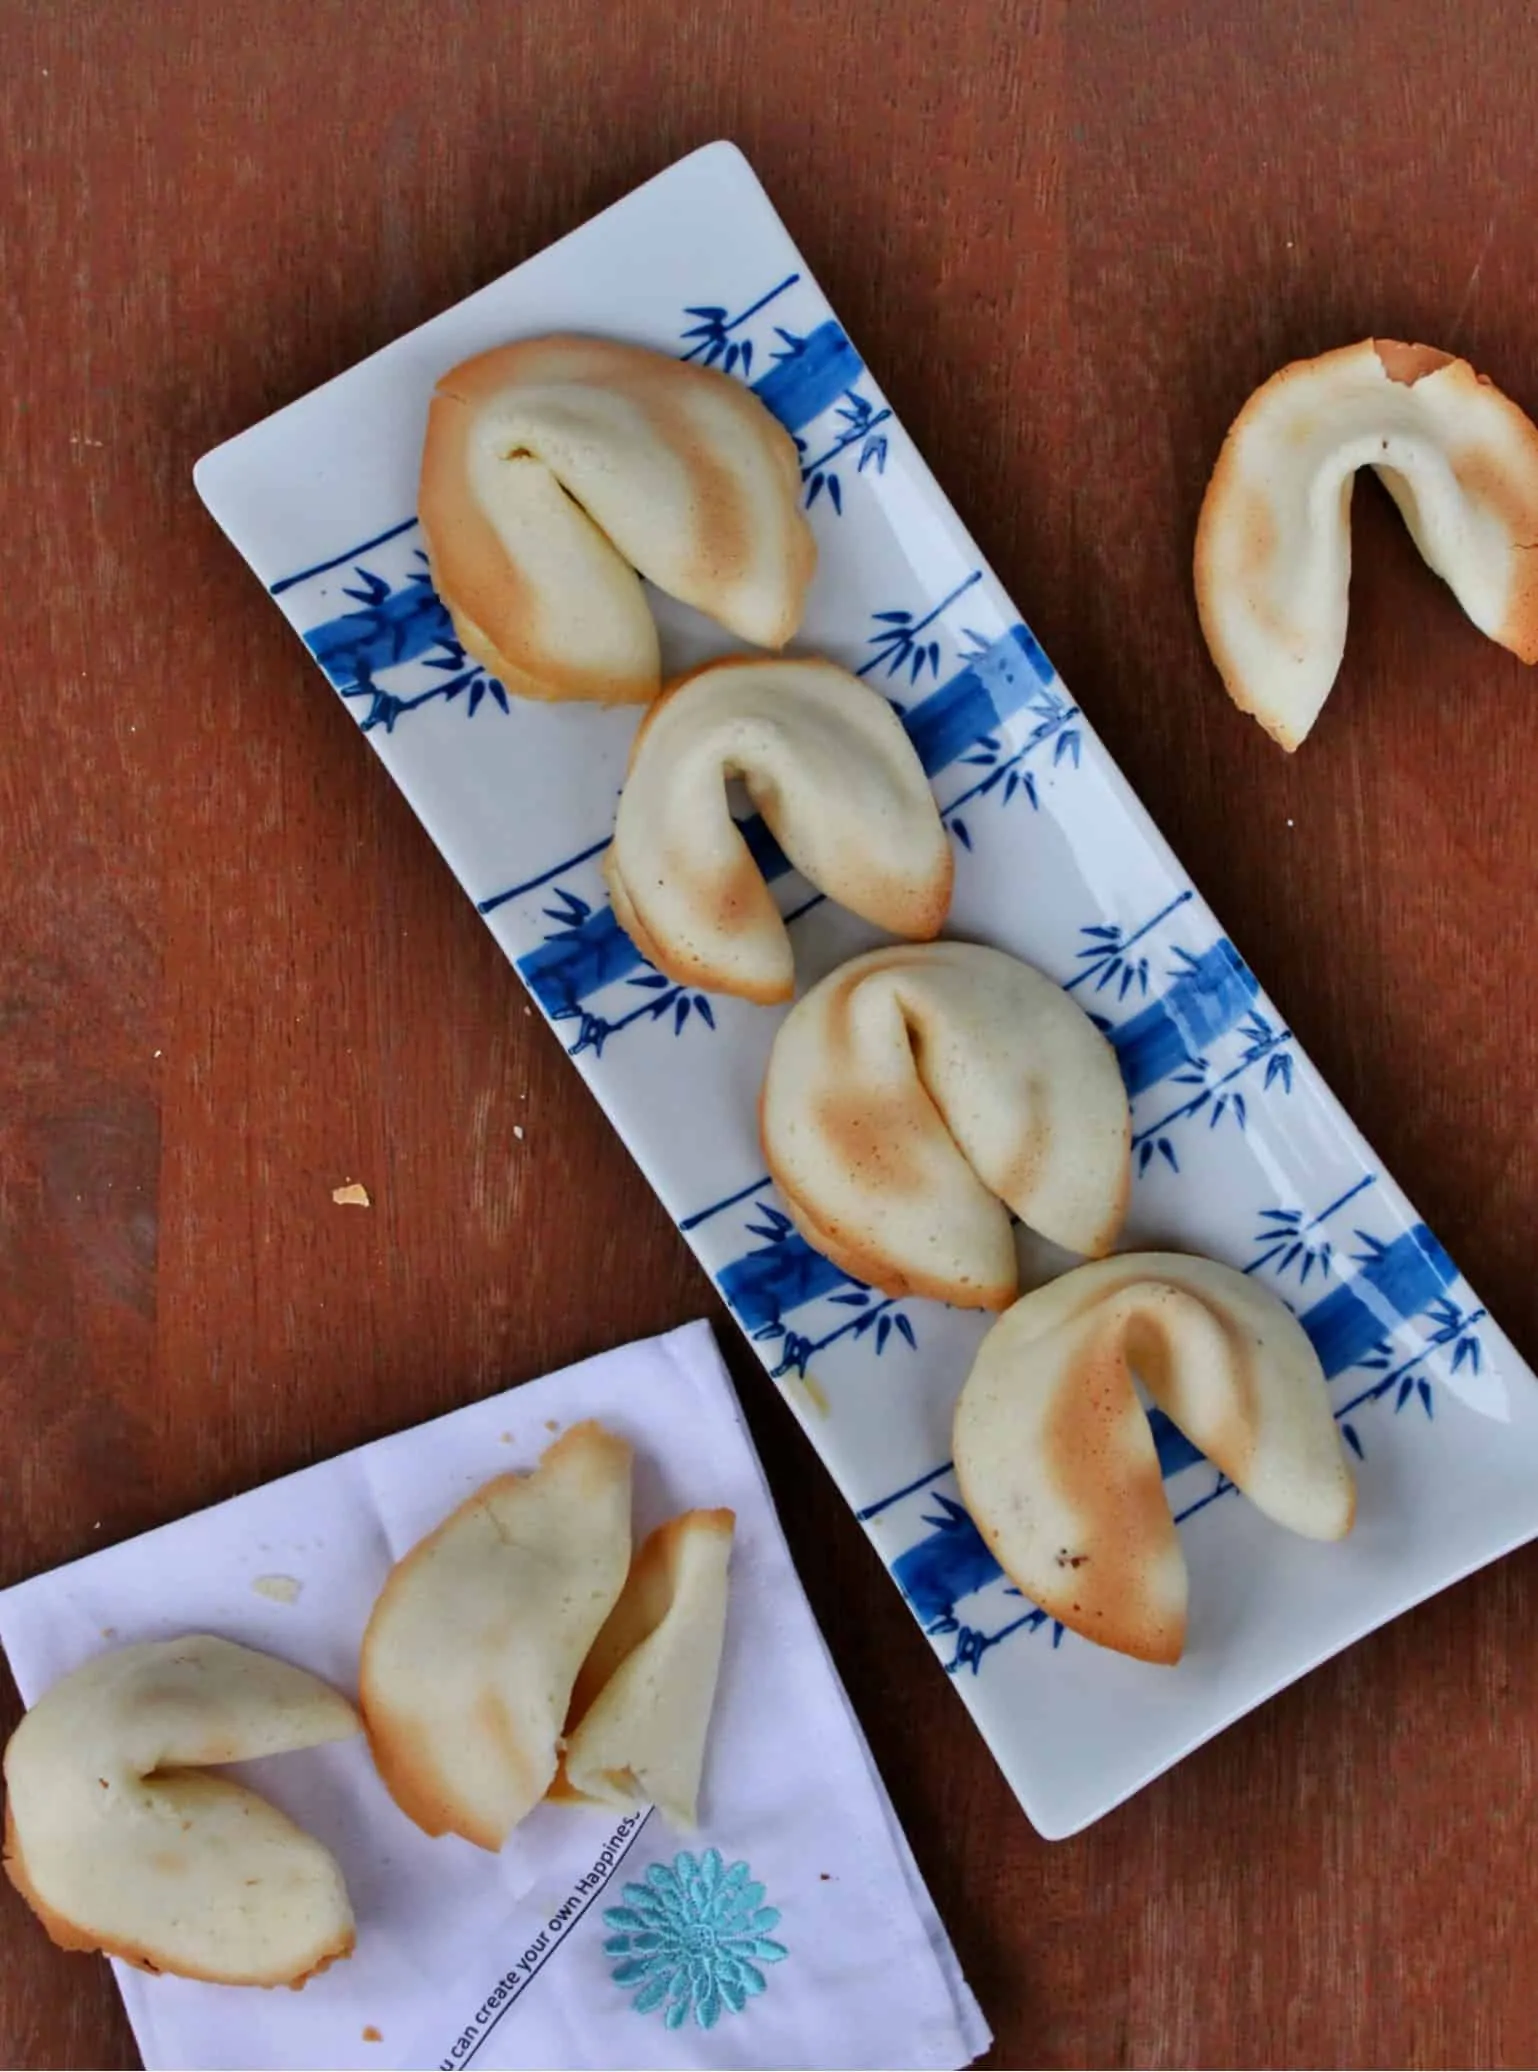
(233, 970)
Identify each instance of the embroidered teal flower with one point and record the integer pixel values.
(692, 1938)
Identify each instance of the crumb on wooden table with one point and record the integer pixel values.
(351, 1195)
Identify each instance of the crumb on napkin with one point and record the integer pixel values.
(281, 1589)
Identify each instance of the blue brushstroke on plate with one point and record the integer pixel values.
(810, 376)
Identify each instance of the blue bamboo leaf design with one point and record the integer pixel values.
(703, 1009)
(1348, 1433)
(572, 911)
(835, 494)
(959, 830)
(906, 1329)
(374, 591)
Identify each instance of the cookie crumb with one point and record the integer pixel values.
(281, 1589)
(372, 2035)
(815, 1393)
(506, 1438)
(518, 1131)
(552, 1424)
(354, 1195)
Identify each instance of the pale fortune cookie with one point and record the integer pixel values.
(557, 472)
(840, 786)
(119, 1841)
(1056, 1460)
(1273, 544)
(919, 1094)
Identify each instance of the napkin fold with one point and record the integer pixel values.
(792, 1929)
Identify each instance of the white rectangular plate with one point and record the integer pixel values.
(1240, 1150)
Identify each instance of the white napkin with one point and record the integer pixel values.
(595, 1938)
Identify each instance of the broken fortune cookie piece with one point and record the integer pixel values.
(119, 1840)
(476, 1639)
(640, 1711)
(1055, 1455)
(559, 471)
(830, 767)
(1273, 543)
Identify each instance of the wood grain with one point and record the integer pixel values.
(233, 973)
